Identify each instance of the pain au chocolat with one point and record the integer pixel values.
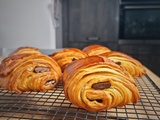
(133, 66)
(29, 71)
(95, 49)
(67, 55)
(26, 49)
(96, 83)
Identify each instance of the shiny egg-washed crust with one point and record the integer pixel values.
(81, 75)
(95, 49)
(18, 73)
(26, 49)
(133, 66)
(65, 56)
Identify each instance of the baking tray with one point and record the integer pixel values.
(52, 105)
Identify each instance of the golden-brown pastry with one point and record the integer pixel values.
(95, 83)
(133, 66)
(29, 72)
(67, 55)
(27, 49)
(95, 49)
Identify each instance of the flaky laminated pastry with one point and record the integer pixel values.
(67, 55)
(29, 72)
(133, 66)
(25, 49)
(95, 83)
(95, 49)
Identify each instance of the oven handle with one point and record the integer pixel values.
(141, 7)
(93, 38)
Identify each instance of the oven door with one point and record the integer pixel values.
(139, 23)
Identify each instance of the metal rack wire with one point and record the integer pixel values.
(53, 105)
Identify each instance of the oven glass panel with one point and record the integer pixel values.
(140, 23)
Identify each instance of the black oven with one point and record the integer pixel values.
(139, 21)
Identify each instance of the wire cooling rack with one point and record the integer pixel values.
(52, 105)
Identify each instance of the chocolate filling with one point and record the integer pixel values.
(98, 100)
(41, 69)
(118, 63)
(50, 82)
(101, 85)
(74, 59)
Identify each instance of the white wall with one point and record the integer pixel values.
(26, 23)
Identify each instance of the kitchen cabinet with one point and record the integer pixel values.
(90, 21)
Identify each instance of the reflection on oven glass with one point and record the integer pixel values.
(139, 19)
(142, 24)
